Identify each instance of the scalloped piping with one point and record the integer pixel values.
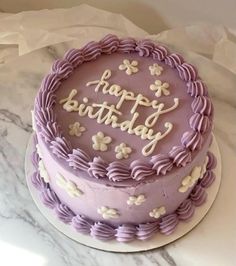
(63, 68)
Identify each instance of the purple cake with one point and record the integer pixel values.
(122, 132)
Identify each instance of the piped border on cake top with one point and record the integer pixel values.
(45, 119)
(166, 224)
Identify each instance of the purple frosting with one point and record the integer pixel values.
(62, 68)
(61, 147)
(45, 99)
(187, 72)
(199, 122)
(91, 51)
(127, 45)
(192, 140)
(125, 233)
(202, 105)
(75, 57)
(38, 182)
(145, 48)
(185, 210)
(122, 233)
(49, 198)
(98, 168)
(44, 115)
(64, 213)
(81, 224)
(118, 171)
(140, 170)
(208, 178)
(173, 60)
(109, 44)
(196, 88)
(159, 52)
(161, 164)
(180, 155)
(50, 131)
(102, 231)
(211, 164)
(35, 159)
(198, 195)
(168, 224)
(51, 82)
(147, 230)
(79, 160)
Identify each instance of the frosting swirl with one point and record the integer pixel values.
(161, 164)
(38, 182)
(44, 115)
(173, 60)
(208, 178)
(91, 51)
(45, 99)
(199, 122)
(98, 168)
(61, 147)
(168, 224)
(62, 68)
(198, 195)
(144, 48)
(159, 52)
(187, 72)
(75, 57)
(109, 44)
(118, 171)
(49, 198)
(141, 170)
(102, 231)
(146, 231)
(125, 233)
(79, 160)
(186, 210)
(196, 88)
(50, 131)
(180, 155)
(64, 213)
(192, 140)
(211, 164)
(202, 105)
(51, 82)
(126, 45)
(81, 224)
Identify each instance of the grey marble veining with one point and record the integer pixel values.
(25, 230)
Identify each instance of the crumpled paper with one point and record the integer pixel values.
(211, 48)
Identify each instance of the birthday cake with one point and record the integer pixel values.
(122, 132)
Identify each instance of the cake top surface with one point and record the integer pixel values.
(123, 109)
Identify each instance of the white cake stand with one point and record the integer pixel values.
(156, 241)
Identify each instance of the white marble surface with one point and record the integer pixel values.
(26, 238)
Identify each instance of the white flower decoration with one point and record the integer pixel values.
(122, 151)
(70, 187)
(108, 213)
(39, 151)
(155, 69)
(43, 172)
(190, 180)
(136, 200)
(100, 141)
(160, 88)
(76, 129)
(157, 212)
(129, 68)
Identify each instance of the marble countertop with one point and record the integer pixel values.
(26, 237)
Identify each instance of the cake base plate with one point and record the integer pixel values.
(156, 241)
